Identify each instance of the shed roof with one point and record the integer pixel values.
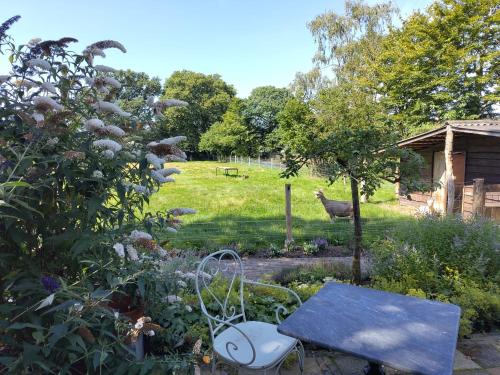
(486, 127)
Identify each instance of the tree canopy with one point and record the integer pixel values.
(208, 97)
(229, 136)
(442, 64)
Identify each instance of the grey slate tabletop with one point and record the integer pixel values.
(405, 333)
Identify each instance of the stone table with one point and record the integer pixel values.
(405, 333)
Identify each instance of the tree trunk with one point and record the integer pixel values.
(356, 256)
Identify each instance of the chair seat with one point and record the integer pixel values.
(270, 345)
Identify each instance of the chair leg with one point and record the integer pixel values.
(301, 356)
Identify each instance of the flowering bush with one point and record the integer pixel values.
(448, 259)
(78, 250)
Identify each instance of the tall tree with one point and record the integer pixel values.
(231, 135)
(208, 97)
(307, 85)
(443, 64)
(261, 109)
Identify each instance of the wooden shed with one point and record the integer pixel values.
(462, 160)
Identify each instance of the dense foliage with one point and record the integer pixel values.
(442, 64)
(208, 97)
(229, 136)
(448, 259)
(76, 171)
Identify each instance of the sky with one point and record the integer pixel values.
(250, 43)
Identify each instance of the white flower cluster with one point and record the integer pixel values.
(160, 178)
(119, 249)
(139, 235)
(171, 299)
(132, 253)
(103, 106)
(49, 87)
(181, 211)
(39, 63)
(104, 69)
(97, 174)
(45, 103)
(94, 124)
(107, 144)
(156, 161)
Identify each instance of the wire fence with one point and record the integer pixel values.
(263, 234)
(272, 162)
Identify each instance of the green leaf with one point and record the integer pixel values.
(24, 325)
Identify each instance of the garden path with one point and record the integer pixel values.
(258, 268)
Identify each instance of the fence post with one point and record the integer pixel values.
(288, 213)
(249, 160)
(259, 159)
(478, 197)
(271, 162)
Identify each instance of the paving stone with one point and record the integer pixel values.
(463, 362)
(482, 349)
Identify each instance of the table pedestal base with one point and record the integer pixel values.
(374, 369)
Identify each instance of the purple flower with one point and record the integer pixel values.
(50, 284)
(321, 243)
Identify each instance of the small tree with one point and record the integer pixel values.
(351, 135)
(230, 135)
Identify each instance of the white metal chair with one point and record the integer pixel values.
(240, 343)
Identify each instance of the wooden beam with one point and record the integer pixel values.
(478, 197)
(449, 187)
(288, 213)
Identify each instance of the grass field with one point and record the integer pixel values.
(249, 212)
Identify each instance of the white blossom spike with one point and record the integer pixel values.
(109, 107)
(44, 103)
(155, 160)
(159, 178)
(107, 144)
(39, 63)
(104, 69)
(49, 87)
(173, 140)
(182, 211)
(114, 130)
(140, 235)
(132, 253)
(93, 124)
(119, 249)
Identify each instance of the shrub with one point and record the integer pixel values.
(310, 248)
(76, 172)
(449, 259)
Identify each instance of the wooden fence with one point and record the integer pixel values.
(481, 199)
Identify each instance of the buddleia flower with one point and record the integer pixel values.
(94, 124)
(114, 131)
(132, 253)
(38, 117)
(105, 44)
(45, 103)
(161, 179)
(49, 87)
(104, 69)
(181, 211)
(108, 154)
(97, 174)
(107, 144)
(7, 24)
(119, 250)
(139, 235)
(155, 160)
(39, 63)
(103, 106)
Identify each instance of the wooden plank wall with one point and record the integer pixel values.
(483, 159)
(492, 201)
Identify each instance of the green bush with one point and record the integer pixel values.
(448, 259)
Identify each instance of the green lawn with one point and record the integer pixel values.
(249, 212)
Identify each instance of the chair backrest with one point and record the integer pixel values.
(228, 264)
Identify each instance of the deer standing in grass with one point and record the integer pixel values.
(335, 208)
